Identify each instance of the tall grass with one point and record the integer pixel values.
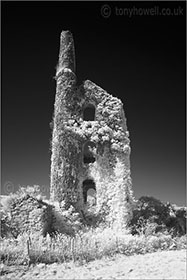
(84, 247)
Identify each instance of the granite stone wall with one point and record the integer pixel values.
(109, 168)
(29, 214)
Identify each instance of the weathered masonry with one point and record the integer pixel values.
(90, 145)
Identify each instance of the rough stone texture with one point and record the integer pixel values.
(67, 52)
(109, 146)
(28, 214)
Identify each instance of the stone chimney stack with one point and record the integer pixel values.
(65, 89)
(66, 53)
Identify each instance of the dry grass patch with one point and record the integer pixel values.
(84, 247)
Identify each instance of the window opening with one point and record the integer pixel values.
(89, 113)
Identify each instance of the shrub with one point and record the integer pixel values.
(150, 216)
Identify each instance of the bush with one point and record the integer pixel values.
(151, 216)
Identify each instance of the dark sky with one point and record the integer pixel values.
(140, 59)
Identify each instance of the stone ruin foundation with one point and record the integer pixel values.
(90, 166)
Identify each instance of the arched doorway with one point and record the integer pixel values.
(89, 191)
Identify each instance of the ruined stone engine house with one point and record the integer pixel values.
(90, 144)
